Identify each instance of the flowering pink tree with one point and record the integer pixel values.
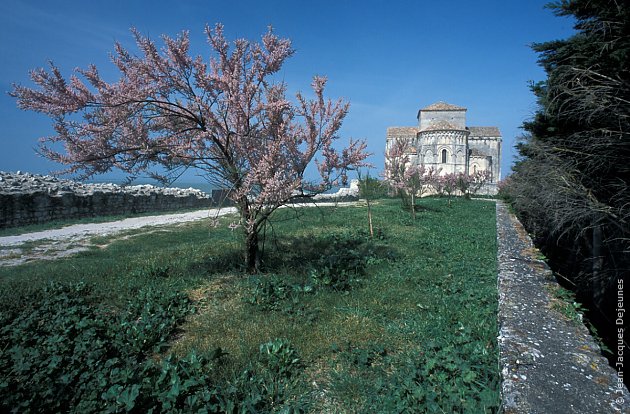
(449, 185)
(477, 180)
(463, 182)
(432, 177)
(396, 162)
(438, 185)
(469, 184)
(413, 184)
(226, 117)
(410, 180)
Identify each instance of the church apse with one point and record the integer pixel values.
(442, 140)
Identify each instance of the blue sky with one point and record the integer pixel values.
(388, 58)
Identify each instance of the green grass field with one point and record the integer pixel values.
(336, 322)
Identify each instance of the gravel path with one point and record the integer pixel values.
(56, 243)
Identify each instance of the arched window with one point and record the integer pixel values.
(444, 154)
(474, 168)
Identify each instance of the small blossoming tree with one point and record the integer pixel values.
(396, 161)
(226, 117)
(463, 183)
(470, 184)
(449, 185)
(412, 182)
(409, 180)
(477, 180)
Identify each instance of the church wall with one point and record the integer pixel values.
(486, 145)
(491, 147)
(456, 118)
(396, 133)
(480, 162)
(433, 143)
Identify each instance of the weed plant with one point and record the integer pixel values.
(337, 321)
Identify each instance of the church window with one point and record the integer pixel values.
(444, 153)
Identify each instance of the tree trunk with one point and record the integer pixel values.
(252, 252)
(413, 205)
(369, 209)
(403, 198)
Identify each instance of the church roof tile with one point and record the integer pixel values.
(402, 131)
(441, 126)
(443, 106)
(484, 132)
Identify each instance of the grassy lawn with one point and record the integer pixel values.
(337, 322)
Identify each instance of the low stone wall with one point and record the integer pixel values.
(549, 363)
(31, 199)
(489, 189)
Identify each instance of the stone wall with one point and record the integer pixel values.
(31, 199)
(455, 117)
(549, 362)
(488, 148)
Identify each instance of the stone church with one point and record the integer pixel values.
(442, 140)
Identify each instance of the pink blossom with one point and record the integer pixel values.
(226, 116)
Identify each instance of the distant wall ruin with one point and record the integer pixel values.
(33, 199)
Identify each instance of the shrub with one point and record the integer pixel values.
(280, 357)
(341, 262)
(149, 320)
(61, 351)
(455, 378)
(47, 349)
(171, 385)
(68, 353)
(273, 293)
(372, 188)
(267, 384)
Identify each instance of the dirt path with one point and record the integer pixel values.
(55, 243)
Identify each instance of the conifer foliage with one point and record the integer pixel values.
(226, 116)
(571, 186)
